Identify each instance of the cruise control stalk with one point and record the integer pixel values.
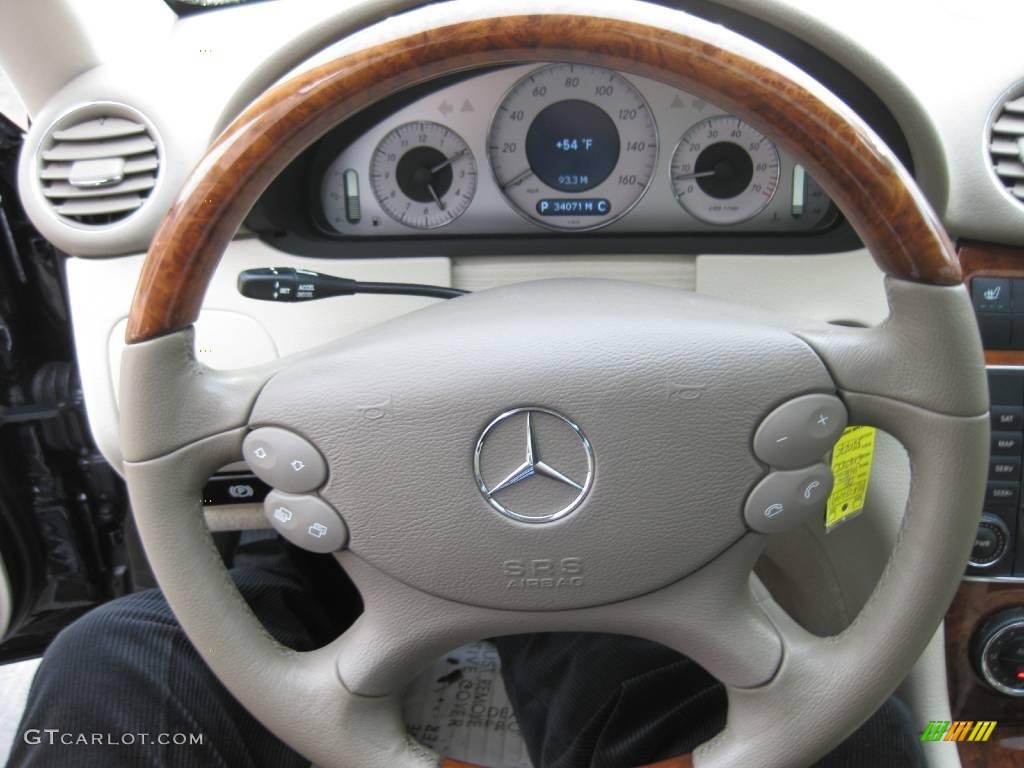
(290, 284)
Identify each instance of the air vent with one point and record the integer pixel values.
(1006, 146)
(98, 167)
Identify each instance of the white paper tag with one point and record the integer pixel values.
(459, 708)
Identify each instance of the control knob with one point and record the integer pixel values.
(997, 650)
(990, 542)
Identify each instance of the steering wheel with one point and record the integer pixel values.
(656, 408)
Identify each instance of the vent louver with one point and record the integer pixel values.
(97, 169)
(1006, 146)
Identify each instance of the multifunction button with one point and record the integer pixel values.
(800, 432)
(284, 460)
(784, 500)
(306, 521)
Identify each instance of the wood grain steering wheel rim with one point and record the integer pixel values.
(851, 163)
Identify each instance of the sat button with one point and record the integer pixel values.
(1007, 418)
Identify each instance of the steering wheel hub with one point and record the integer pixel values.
(643, 405)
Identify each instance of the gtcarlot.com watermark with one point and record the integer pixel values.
(54, 736)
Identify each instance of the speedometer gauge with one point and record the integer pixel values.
(573, 147)
(724, 171)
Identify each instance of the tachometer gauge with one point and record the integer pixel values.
(423, 175)
(724, 171)
(573, 147)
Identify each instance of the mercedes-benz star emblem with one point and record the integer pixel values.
(533, 465)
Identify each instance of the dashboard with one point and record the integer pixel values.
(568, 148)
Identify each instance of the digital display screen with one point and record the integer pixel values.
(582, 206)
(572, 146)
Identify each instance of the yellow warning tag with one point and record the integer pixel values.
(851, 466)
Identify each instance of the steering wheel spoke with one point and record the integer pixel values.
(714, 616)
(926, 353)
(917, 584)
(170, 400)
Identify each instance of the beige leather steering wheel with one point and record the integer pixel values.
(660, 544)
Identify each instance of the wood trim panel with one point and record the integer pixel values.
(861, 175)
(986, 259)
(683, 761)
(970, 697)
(1004, 750)
(1004, 357)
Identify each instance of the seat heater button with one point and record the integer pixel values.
(784, 500)
(800, 432)
(990, 294)
(284, 460)
(306, 521)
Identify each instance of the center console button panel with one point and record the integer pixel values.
(998, 550)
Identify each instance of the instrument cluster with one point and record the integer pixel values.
(566, 147)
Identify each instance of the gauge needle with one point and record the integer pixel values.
(698, 175)
(433, 194)
(449, 161)
(517, 179)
